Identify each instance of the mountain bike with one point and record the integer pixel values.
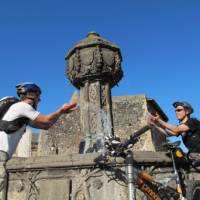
(134, 177)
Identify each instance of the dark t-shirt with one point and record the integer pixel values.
(191, 138)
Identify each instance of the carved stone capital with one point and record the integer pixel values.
(94, 58)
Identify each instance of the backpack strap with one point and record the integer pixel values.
(12, 126)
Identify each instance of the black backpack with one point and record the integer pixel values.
(10, 126)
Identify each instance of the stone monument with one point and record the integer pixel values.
(94, 67)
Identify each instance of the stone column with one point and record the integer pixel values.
(94, 67)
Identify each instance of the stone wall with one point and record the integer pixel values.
(129, 115)
(76, 177)
(63, 137)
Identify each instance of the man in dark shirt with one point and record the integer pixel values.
(189, 128)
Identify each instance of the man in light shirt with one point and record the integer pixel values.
(24, 113)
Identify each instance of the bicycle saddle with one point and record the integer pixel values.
(172, 145)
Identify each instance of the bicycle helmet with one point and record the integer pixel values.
(23, 88)
(185, 105)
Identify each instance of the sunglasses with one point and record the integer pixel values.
(179, 110)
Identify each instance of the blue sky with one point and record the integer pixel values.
(159, 42)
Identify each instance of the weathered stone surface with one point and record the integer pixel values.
(52, 189)
(79, 160)
(94, 58)
(63, 137)
(129, 115)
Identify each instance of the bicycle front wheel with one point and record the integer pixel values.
(193, 190)
(168, 194)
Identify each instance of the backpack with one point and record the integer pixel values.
(10, 126)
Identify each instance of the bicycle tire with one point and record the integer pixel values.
(193, 190)
(168, 194)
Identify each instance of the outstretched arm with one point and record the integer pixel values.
(162, 130)
(46, 121)
(172, 129)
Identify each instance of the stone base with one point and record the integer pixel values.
(75, 177)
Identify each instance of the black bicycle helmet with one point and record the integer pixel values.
(23, 88)
(185, 105)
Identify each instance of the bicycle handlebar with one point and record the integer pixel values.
(134, 137)
(116, 148)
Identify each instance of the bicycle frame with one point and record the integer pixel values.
(146, 183)
(178, 180)
(135, 176)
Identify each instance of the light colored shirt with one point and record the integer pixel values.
(9, 142)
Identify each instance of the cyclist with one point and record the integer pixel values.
(29, 94)
(189, 128)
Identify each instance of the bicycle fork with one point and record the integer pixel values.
(130, 175)
(178, 180)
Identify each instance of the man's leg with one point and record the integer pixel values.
(3, 175)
